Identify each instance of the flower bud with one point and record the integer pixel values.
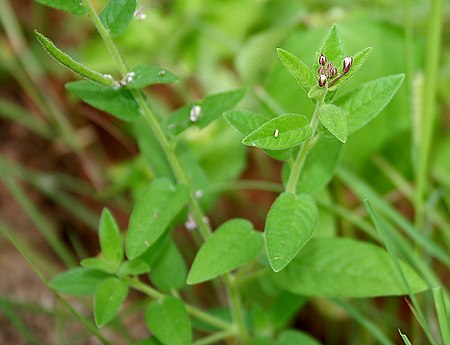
(322, 70)
(348, 60)
(322, 59)
(333, 71)
(322, 80)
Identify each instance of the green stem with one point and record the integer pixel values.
(174, 162)
(195, 312)
(297, 167)
(233, 293)
(213, 338)
(433, 51)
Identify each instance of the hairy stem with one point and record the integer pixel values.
(174, 162)
(299, 162)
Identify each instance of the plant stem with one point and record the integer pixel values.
(213, 338)
(433, 51)
(174, 162)
(299, 162)
(195, 312)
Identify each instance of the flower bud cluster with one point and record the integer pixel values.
(329, 72)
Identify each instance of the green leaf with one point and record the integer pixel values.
(207, 110)
(108, 297)
(365, 102)
(149, 341)
(292, 337)
(132, 268)
(117, 15)
(358, 61)
(284, 308)
(299, 70)
(316, 91)
(345, 268)
(152, 214)
(332, 48)
(78, 281)
(119, 103)
(245, 121)
(146, 75)
(404, 338)
(319, 165)
(290, 223)
(71, 64)
(98, 264)
(110, 238)
(169, 269)
(280, 133)
(168, 320)
(71, 6)
(335, 120)
(233, 244)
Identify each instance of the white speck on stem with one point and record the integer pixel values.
(195, 113)
(162, 73)
(191, 224)
(276, 133)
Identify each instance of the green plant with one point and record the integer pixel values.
(296, 264)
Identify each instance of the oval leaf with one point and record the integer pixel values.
(365, 102)
(78, 281)
(72, 6)
(132, 268)
(290, 223)
(345, 268)
(152, 214)
(169, 321)
(335, 120)
(292, 337)
(146, 75)
(280, 133)
(98, 264)
(233, 244)
(71, 64)
(119, 103)
(332, 48)
(169, 269)
(299, 70)
(110, 238)
(117, 15)
(108, 297)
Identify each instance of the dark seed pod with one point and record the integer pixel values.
(347, 64)
(322, 80)
(322, 59)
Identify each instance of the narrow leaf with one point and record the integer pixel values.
(335, 120)
(299, 70)
(290, 224)
(345, 268)
(332, 48)
(117, 16)
(72, 6)
(404, 338)
(203, 112)
(108, 297)
(233, 244)
(358, 61)
(152, 214)
(132, 268)
(119, 103)
(168, 320)
(146, 75)
(71, 64)
(280, 133)
(78, 281)
(365, 102)
(110, 238)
